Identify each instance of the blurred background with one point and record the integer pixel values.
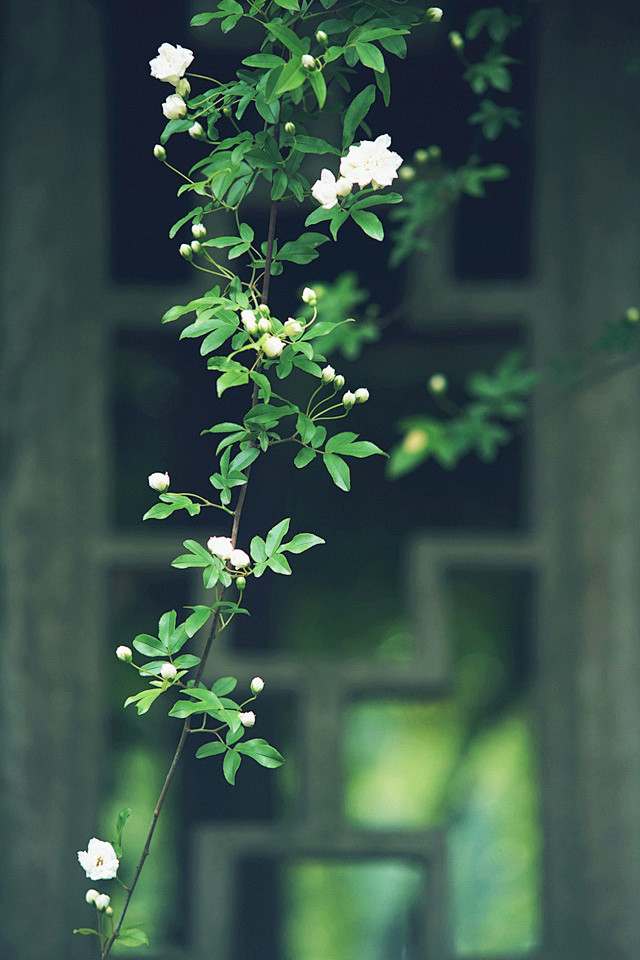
(454, 678)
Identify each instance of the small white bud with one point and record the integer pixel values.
(437, 383)
(434, 14)
(174, 107)
(196, 246)
(196, 131)
(338, 381)
(361, 395)
(292, 328)
(198, 231)
(186, 251)
(183, 87)
(290, 127)
(264, 325)
(124, 653)
(456, 40)
(247, 719)
(321, 37)
(159, 152)
(102, 901)
(263, 310)
(239, 559)
(308, 62)
(348, 399)
(168, 671)
(327, 374)
(257, 685)
(109, 911)
(221, 547)
(90, 896)
(249, 321)
(421, 156)
(632, 314)
(309, 296)
(159, 482)
(273, 347)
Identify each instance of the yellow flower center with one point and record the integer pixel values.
(99, 862)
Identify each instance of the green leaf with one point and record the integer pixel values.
(186, 661)
(167, 622)
(314, 145)
(363, 448)
(196, 620)
(86, 931)
(319, 85)
(262, 752)
(356, 113)
(133, 937)
(286, 37)
(200, 19)
(149, 646)
(302, 542)
(258, 549)
(279, 564)
(159, 511)
(370, 56)
(123, 816)
(232, 378)
(291, 77)
(368, 222)
(264, 383)
(210, 749)
(263, 60)
(304, 457)
(276, 535)
(224, 685)
(143, 700)
(338, 470)
(230, 765)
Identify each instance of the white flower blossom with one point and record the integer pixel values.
(257, 685)
(324, 190)
(371, 163)
(249, 321)
(99, 860)
(273, 347)
(220, 547)
(168, 671)
(309, 295)
(292, 328)
(102, 901)
(90, 896)
(348, 399)
(361, 395)
(159, 482)
(171, 63)
(247, 719)
(239, 559)
(174, 107)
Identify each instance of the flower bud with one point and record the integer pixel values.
(308, 62)
(124, 653)
(290, 127)
(239, 559)
(321, 37)
(220, 547)
(434, 152)
(249, 321)
(292, 328)
(196, 132)
(309, 296)
(102, 901)
(160, 481)
(90, 896)
(257, 685)
(263, 310)
(421, 156)
(434, 14)
(406, 172)
(109, 911)
(159, 152)
(327, 374)
(227, 111)
(196, 246)
(174, 107)
(186, 251)
(199, 231)
(241, 583)
(183, 87)
(273, 346)
(361, 395)
(338, 381)
(632, 314)
(348, 399)
(264, 325)
(343, 187)
(437, 383)
(456, 40)
(247, 719)
(168, 671)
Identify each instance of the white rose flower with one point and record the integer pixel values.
(99, 860)
(171, 63)
(159, 482)
(90, 896)
(273, 346)
(168, 671)
(309, 295)
(102, 901)
(239, 559)
(348, 399)
(174, 107)
(220, 547)
(247, 719)
(343, 187)
(361, 395)
(292, 328)
(324, 190)
(257, 685)
(371, 163)
(265, 325)
(249, 321)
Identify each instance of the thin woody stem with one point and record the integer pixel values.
(186, 729)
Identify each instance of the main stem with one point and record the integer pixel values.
(237, 513)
